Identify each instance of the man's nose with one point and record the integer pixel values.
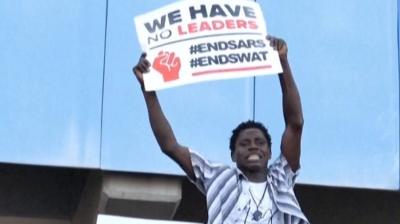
(253, 146)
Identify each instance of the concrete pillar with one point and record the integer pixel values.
(144, 196)
(88, 207)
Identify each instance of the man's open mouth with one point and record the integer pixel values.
(254, 157)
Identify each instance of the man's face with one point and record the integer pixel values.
(251, 151)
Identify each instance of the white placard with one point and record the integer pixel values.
(198, 40)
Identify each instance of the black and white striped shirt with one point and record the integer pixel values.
(221, 184)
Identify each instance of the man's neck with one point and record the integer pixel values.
(257, 177)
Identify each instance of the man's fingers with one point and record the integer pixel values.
(276, 43)
(141, 67)
(144, 68)
(272, 41)
(143, 64)
(146, 63)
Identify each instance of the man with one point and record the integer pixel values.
(251, 192)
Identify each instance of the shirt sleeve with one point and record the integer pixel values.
(204, 170)
(282, 174)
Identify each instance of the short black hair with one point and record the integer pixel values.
(246, 125)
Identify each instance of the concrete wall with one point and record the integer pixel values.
(32, 194)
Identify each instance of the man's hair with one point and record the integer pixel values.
(246, 125)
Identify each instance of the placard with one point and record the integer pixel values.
(198, 40)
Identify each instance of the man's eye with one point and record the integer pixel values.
(261, 142)
(243, 143)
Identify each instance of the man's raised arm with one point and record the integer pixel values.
(160, 125)
(292, 112)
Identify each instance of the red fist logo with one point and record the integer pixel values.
(168, 65)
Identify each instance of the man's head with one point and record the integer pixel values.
(250, 146)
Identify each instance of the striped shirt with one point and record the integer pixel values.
(221, 184)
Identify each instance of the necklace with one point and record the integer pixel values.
(258, 214)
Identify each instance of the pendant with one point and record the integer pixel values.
(257, 215)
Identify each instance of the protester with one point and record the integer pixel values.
(251, 192)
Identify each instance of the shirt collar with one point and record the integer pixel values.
(240, 175)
